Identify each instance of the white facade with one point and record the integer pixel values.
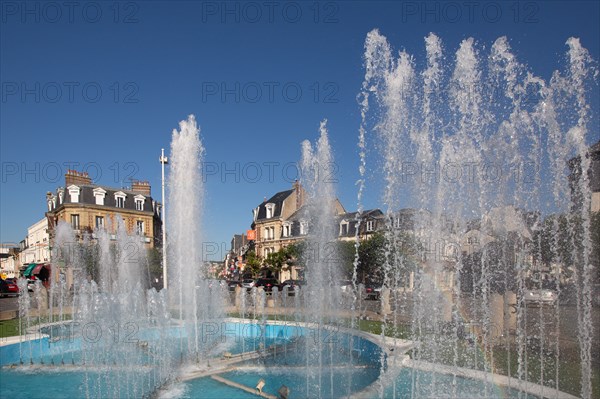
(9, 264)
(37, 242)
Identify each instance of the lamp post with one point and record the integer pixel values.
(164, 160)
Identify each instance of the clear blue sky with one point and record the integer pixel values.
(156, 62)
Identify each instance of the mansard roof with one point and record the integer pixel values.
(86, 196)
(277, 199)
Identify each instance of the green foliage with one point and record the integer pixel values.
(372, 256)
(560, 239)
(346, 253)
(498, 258)
(253, 263)
(398, 250)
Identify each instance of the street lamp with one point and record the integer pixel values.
(164, 160)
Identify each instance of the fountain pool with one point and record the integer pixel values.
(59, 364)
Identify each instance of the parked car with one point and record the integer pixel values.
(293, 286)
(248, 283)
(540, 297)
(8, 288)
(30, 285)
(372, 291)
(267, 283)
(215, 283)
(233, 284)
(345, 285)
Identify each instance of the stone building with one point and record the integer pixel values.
(87, 207)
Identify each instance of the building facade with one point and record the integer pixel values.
(88, 207)
(284, 219)
(37, 244)
(10, 261)
(271, 220)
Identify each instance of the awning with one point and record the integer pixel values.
(37, 269)
(29, 270)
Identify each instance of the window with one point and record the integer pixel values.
(472, 240)
(99, 222)
(99, 195)
(343, 228)
(74, 193)
(303, 227)
(139, 227)
(370, 225)
(272, 233)
(269, 251)
(120, 199)
(286, 230)
(397, 222)
(270, 210)
(139, 202)
(75, 222)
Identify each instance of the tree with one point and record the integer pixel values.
(399, 250)
(497, 259)
(154, 264)
(560, 239)
(253, 263)
(371, 258)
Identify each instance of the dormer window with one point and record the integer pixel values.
(254, 214)
(370, 225)
(74, 193)
(270, 207)
(344, 228)
(139, 202)
(61, 194)
(99, 194)
(120, 199)
(303, 227)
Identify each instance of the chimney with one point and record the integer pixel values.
(299, 192)
(142, 187)
(77, 178)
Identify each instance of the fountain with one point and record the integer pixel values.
(475, 149)
(483, 145)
